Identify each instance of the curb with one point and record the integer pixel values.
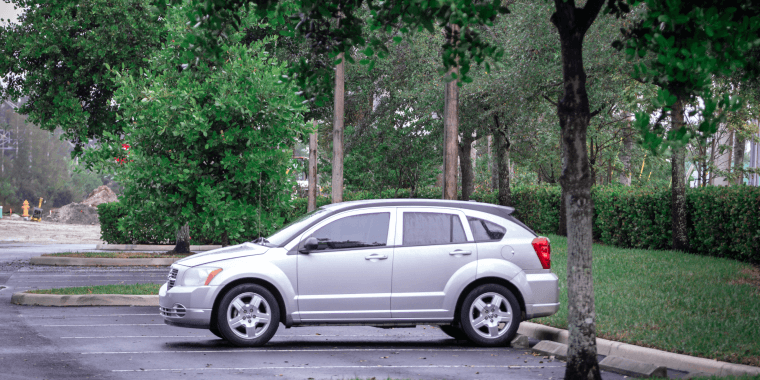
(675, 361)
(31, 299)
(97, 261)
(148, 247)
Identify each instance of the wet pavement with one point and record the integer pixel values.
(133, 342)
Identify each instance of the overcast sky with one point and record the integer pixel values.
(7, 11)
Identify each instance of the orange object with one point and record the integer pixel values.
(25, 207)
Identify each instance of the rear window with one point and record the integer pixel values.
(483, 230)
(427, 228)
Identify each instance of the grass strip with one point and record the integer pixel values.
(115, 255)
(132, 289)
(673, 301)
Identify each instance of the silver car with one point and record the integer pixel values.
(470, 267)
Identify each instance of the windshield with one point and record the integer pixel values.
(286, 233)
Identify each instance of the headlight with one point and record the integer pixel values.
(199, 276)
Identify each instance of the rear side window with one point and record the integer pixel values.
(426, 228)
(483, 230)
(358, 231)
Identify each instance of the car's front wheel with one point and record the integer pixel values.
(490, 315)
(248, 315)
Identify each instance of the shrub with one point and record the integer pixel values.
(724, 222)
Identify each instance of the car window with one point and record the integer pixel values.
(358, 231)
(483, 230)
(425, 228)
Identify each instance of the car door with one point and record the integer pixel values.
(348, 276)
(433, 246)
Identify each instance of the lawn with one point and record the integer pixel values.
(673, 301)
(134, 289)
(115, 255)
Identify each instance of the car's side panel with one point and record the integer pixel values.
(346, 284)
(423, 275)
(508, 271)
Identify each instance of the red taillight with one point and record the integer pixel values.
(543, 251)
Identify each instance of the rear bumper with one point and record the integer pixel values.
(545, 289)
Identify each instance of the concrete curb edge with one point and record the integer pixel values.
(672, 360)
(31, 299)
(98, 261)
(148, 247)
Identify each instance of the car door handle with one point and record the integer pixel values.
(459, 252)
(376, 256)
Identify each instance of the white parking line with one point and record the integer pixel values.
(82, 315)
(207, 336)
(295, 350)
(137, 336)
(108, 325)
(338, 367)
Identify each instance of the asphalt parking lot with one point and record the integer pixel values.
(133, 342)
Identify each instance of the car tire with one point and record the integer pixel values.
(248, 315)
(454, 332)
(490, 315)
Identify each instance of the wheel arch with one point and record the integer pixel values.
(250, 280)
(489, 280)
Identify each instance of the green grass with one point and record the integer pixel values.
(673, 301)
(115, 255)
(134, 289)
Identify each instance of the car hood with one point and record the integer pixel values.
(235, 251)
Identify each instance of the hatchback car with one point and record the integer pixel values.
(470, 267)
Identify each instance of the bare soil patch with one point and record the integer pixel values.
(750, 276)
(46, 232)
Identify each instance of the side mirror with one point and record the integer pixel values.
(309, 245)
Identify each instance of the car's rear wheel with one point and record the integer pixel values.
(454, 332)
(248, 315)
(490, 315)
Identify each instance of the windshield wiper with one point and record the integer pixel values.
(262, 241)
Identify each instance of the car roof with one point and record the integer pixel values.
(502, 211)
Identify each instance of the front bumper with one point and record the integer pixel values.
(187, 306)
(545, 289)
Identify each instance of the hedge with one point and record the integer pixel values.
(723, 221)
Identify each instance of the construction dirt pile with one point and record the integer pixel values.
(85, 212)
(74, 213)
(102, 194)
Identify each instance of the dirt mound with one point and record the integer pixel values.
(102, 194)
(74, 213)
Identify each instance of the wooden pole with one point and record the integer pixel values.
(337, 159)
(312, 192)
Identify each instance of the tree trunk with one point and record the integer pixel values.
(465, 166)
(625, 158)
(574, 115)
(183, 240)
(678, 189)
(492, 165)
(502, 145)
(562, 227)
(451, 128)
(337, 159)
(739, 145)
(312, 195)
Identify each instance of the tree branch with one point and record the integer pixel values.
(550, 101)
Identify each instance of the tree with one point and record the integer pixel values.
(574, 114)
(57, 55)
(209, 144)
(689, 42)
